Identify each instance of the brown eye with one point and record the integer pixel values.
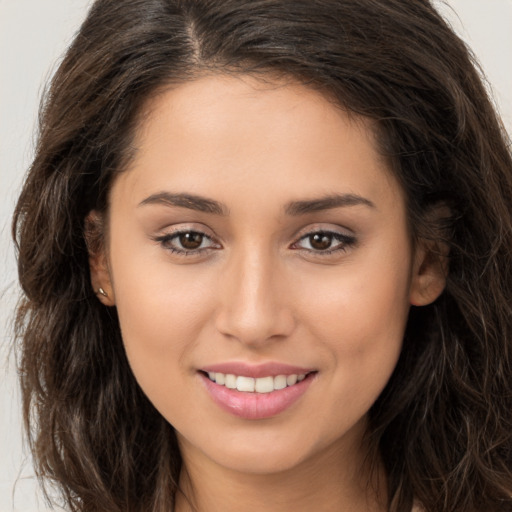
(191, 240)
(187, 243)
(320, 241)
(324, 243)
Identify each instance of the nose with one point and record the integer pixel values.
(254, 301)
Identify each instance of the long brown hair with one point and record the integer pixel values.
(443, 425)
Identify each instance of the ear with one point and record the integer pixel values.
(98, 261)
(430, 269)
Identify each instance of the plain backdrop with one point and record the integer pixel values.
(33, 36)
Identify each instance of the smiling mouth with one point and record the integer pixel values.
(269, 392)
(256, 385)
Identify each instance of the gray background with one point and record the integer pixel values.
(33, 36)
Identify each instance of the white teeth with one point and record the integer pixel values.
(245, 384)
(291, 380)
(230, 381)
(264, 385)
(259, 385)
(280, 382)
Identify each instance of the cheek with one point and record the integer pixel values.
(161, 303)
(161, 310)
(359, 317)
(358, 306)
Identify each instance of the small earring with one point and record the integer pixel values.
(101, 291)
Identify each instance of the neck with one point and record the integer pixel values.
(334, 480)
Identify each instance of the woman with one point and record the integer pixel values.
(264, 248)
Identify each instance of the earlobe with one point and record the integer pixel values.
(98, 262)
(429, 275)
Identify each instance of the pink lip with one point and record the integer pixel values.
(255, 406)
(271, 369)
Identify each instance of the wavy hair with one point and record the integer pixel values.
(443, 425)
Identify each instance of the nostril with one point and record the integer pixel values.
(253, 327)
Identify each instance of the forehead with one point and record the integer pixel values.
(228, 133)
(259, 108)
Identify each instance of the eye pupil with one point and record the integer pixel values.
(320, 241)
(191, 240)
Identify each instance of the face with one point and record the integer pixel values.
(260, 262)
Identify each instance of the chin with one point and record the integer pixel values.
(260, 451)
(261, 463)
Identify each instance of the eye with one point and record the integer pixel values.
(325, 242)
(191, 240)
(186, 242)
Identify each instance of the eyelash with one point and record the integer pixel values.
(345, 242)
(164, 240)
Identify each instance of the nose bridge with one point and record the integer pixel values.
(253, 296)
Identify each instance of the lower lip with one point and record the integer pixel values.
(256, 406)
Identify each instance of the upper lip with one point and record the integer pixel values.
(269, 369)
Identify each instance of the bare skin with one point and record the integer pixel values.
(292, 248)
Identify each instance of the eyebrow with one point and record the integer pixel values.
(328, 202)
(293, 208)
(191, 201)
